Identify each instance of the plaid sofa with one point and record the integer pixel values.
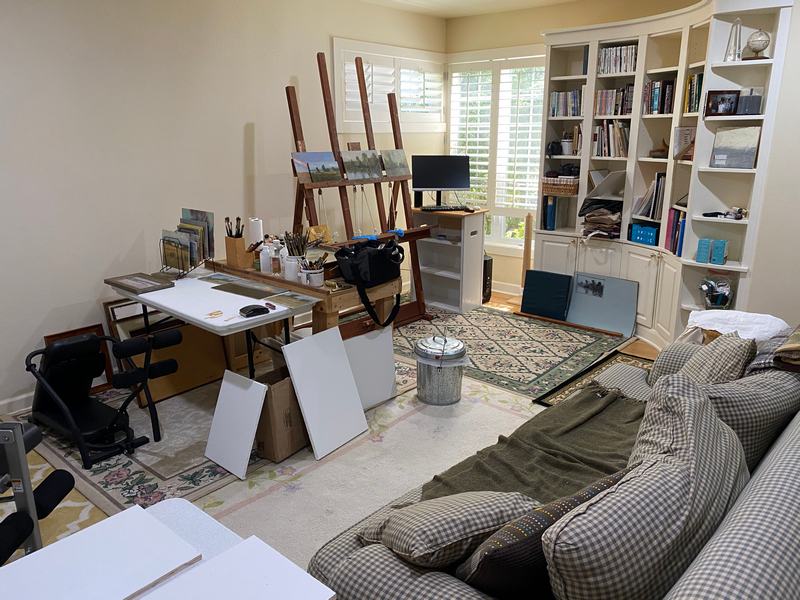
(751, 555)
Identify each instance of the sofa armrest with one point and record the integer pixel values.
(671, 360)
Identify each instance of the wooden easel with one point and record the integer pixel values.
(304, 194)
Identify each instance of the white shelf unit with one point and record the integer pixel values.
(451, 260)
(670, 47)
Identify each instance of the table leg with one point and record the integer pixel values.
(384, 308)
(146, 319)
(251, 361)
(287, 332)
(322, 320)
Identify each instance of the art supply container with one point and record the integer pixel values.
(312, 277)
(440, 368)
(265, 259)
(291, 267)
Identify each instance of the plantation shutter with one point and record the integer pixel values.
(519, 132)
(470, 127)
(422, 89)
(379, 74)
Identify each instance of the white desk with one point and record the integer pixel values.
(198, 303)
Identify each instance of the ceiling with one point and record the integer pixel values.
(463, 8)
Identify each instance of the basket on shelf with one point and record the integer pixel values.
(559, 186)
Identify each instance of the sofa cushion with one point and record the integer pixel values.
(438, 532)
(757, 408)
(636, 538)
(510, 563)
(753, 553)
(628, 379)
(376, 572)
(671, 360)
(765, 355)
(721, 361)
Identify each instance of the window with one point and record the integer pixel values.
(416, 76)
(495, 117)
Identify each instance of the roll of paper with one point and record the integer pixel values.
(255, 230)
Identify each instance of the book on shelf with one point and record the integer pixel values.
(617, 59)
(614, 102)
(651, 203)
(567, 104)
(657, 97)
(577, 139)
(681, 231)
(694, 93)
(684, 143)
(676, 221)
(610, 139)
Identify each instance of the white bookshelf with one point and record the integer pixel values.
(673, 47)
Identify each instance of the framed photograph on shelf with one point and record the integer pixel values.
(721, 102)
(103, 382)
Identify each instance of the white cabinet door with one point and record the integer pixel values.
(555, 253)
(599, 257)
(641, 264)
(669, 282)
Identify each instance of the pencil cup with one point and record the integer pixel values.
(291, 267)
(312, 277)
(236, 254)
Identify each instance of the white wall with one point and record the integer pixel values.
(115, 114)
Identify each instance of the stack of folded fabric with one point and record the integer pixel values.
(787, 356)
(604, 221)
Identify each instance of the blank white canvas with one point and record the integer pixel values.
(326, 390)
(251, 570)
(233, 428)
(371, 359)
(118, 557)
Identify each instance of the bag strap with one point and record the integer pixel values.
(362, 293)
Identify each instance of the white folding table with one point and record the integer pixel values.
(195, 301)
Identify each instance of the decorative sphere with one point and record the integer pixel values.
(758, 41)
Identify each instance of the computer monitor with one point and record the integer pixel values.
(439, 173)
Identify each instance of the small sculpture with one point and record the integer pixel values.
(757, 43)
(734, 51)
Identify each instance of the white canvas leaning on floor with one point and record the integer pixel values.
(326, 390)
(371, 359)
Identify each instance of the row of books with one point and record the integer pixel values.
(651, 203)
(676, 226)
(614, 102)
(567, 104)
(550, 213)
(617, 59)
(577, 139)
(657, 97)
(610, 139)
(694, 93)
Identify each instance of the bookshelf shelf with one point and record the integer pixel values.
(731, 265)
(616, 75)
(565, 157)
(649, 219)
(678, 207)
(658, 116)
(568, 78)
(662, 161)
(613, 117)
(662, 70)
(719, 221)
(722, 118)
(619, 158)
(578, 118)
(437, 272)
(740, 64)
(690, 115)
(727, 171)
(440, 242)
(700, 64)
(687, 163)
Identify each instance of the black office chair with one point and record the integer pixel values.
(21, 528)
(64, 377)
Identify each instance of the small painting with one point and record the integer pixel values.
(362, 164)
(395, 163)
(316, 166)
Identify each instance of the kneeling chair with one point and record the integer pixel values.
(62, 398)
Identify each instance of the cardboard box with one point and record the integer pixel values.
(281, 431)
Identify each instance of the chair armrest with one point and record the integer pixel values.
(671, 360)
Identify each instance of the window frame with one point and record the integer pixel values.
(496, 60)
(402, 58)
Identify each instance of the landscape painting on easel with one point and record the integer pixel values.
(316, 166)
(362, 164)
(396, 163)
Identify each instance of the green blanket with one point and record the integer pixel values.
(556, 453)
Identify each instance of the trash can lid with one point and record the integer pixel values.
(440, 347)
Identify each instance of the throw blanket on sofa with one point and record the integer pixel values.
(556, 453)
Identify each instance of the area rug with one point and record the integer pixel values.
(524, 355)
(577, 382)
(175, 467)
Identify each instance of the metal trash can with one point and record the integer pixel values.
(440, 367)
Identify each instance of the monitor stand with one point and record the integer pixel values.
(418, 199)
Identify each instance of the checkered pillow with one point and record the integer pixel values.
(511, 563)
(765, 356)
(721, 361)
(671, 360)
(375, 573)
(438, 532)
(635, 539)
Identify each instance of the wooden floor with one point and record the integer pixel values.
(636, 347)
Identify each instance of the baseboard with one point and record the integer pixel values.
(506, 288)
(11, 406)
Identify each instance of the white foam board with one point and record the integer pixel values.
(371, 359)
(251, 570)
(119, 557)
(326, 390)
(233, 428)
